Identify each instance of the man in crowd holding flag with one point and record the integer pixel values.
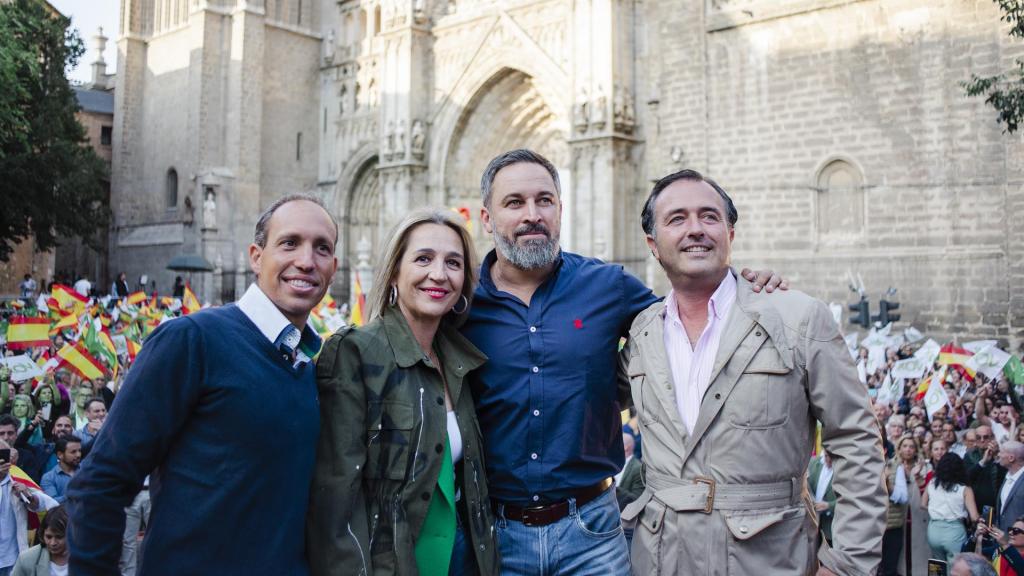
(195, 410)
(18, 498)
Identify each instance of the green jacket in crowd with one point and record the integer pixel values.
(382, 439)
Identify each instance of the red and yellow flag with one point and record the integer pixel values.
(957, 358)
(18, 475)
(79, 360)
(24, 332)
(68, 321)
(189, 302)
(136, 298)
(67, 298)
(133, 348)
(358, 302)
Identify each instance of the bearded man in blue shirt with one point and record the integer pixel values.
(547, 399)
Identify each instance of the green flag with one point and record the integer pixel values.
(96, 347)
(1014, 370)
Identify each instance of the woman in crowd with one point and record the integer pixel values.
(899, 481)
(49, 557)
(1010, 558)
(949, 501)
(399, 485)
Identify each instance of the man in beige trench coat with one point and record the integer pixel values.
(728, 385)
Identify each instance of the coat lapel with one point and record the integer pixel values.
(658, 373)
(736, 349)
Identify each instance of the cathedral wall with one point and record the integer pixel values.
(290, 106)
(846, 141)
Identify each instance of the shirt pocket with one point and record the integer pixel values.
(389, 434)
(762, 396)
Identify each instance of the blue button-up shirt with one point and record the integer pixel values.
(547, 397)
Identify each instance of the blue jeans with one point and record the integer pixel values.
(463, 561)
(587, 541)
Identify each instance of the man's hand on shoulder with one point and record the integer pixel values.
(764, 278)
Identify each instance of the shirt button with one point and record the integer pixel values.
(536, 369)
(440, 401)
(533, 329)
(533, 456)
(536, 412)
(438, 448)
(536, 497)
(425, 496)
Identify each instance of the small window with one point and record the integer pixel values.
(106, 135)
(172, 188)
(298, 146)
(298, 20)
(376, 20)
(840, 188)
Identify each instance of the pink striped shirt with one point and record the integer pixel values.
(691, 365)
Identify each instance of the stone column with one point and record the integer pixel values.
(604, 143)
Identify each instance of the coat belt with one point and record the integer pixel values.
(703, 494)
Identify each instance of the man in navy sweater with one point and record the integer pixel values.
(194, 411)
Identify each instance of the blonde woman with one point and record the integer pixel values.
(399, 486)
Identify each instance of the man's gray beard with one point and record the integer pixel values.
(532, 255)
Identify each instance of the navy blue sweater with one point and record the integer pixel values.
(228, 429)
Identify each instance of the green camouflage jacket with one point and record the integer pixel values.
(383, 428)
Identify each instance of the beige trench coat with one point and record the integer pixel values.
(781, 365)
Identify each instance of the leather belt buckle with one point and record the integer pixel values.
(709, 504)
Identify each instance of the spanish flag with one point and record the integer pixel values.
(68, 321)
(136, 298)
(18, 475)
(79, 360)
(956, 358)
(189, 303)
(24, 332)
(133, 348)
(358, 302)
(67, 298)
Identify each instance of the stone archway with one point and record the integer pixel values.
(362, 221)
(508, 111)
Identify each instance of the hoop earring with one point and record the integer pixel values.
(464, 307)
(393, 297)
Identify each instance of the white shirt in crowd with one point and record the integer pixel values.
(946, 504)
(823, 481)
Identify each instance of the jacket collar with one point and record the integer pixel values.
(452, 347)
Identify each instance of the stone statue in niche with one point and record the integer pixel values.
(580, 112)
(210, 209)
(629, 109)
(189, 215)
(388, 147)
(400, 139)
(329, 46)
(418, 138)
(619, 107)
(599, 113)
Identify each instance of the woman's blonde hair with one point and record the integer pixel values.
(395, 248)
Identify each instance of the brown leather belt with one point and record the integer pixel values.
(551, 513)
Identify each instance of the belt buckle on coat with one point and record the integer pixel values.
(709, 504)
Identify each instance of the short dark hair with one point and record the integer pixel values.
(90, 402)
(61, 444)
(514, 157)
(647, 215)
(8, 420)
(56, 521)
(260, 236)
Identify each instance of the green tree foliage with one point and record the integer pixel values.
(1005, 92)
(51, 183)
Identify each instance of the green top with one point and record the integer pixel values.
(383, 464)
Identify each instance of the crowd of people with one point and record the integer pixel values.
(954, 448)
